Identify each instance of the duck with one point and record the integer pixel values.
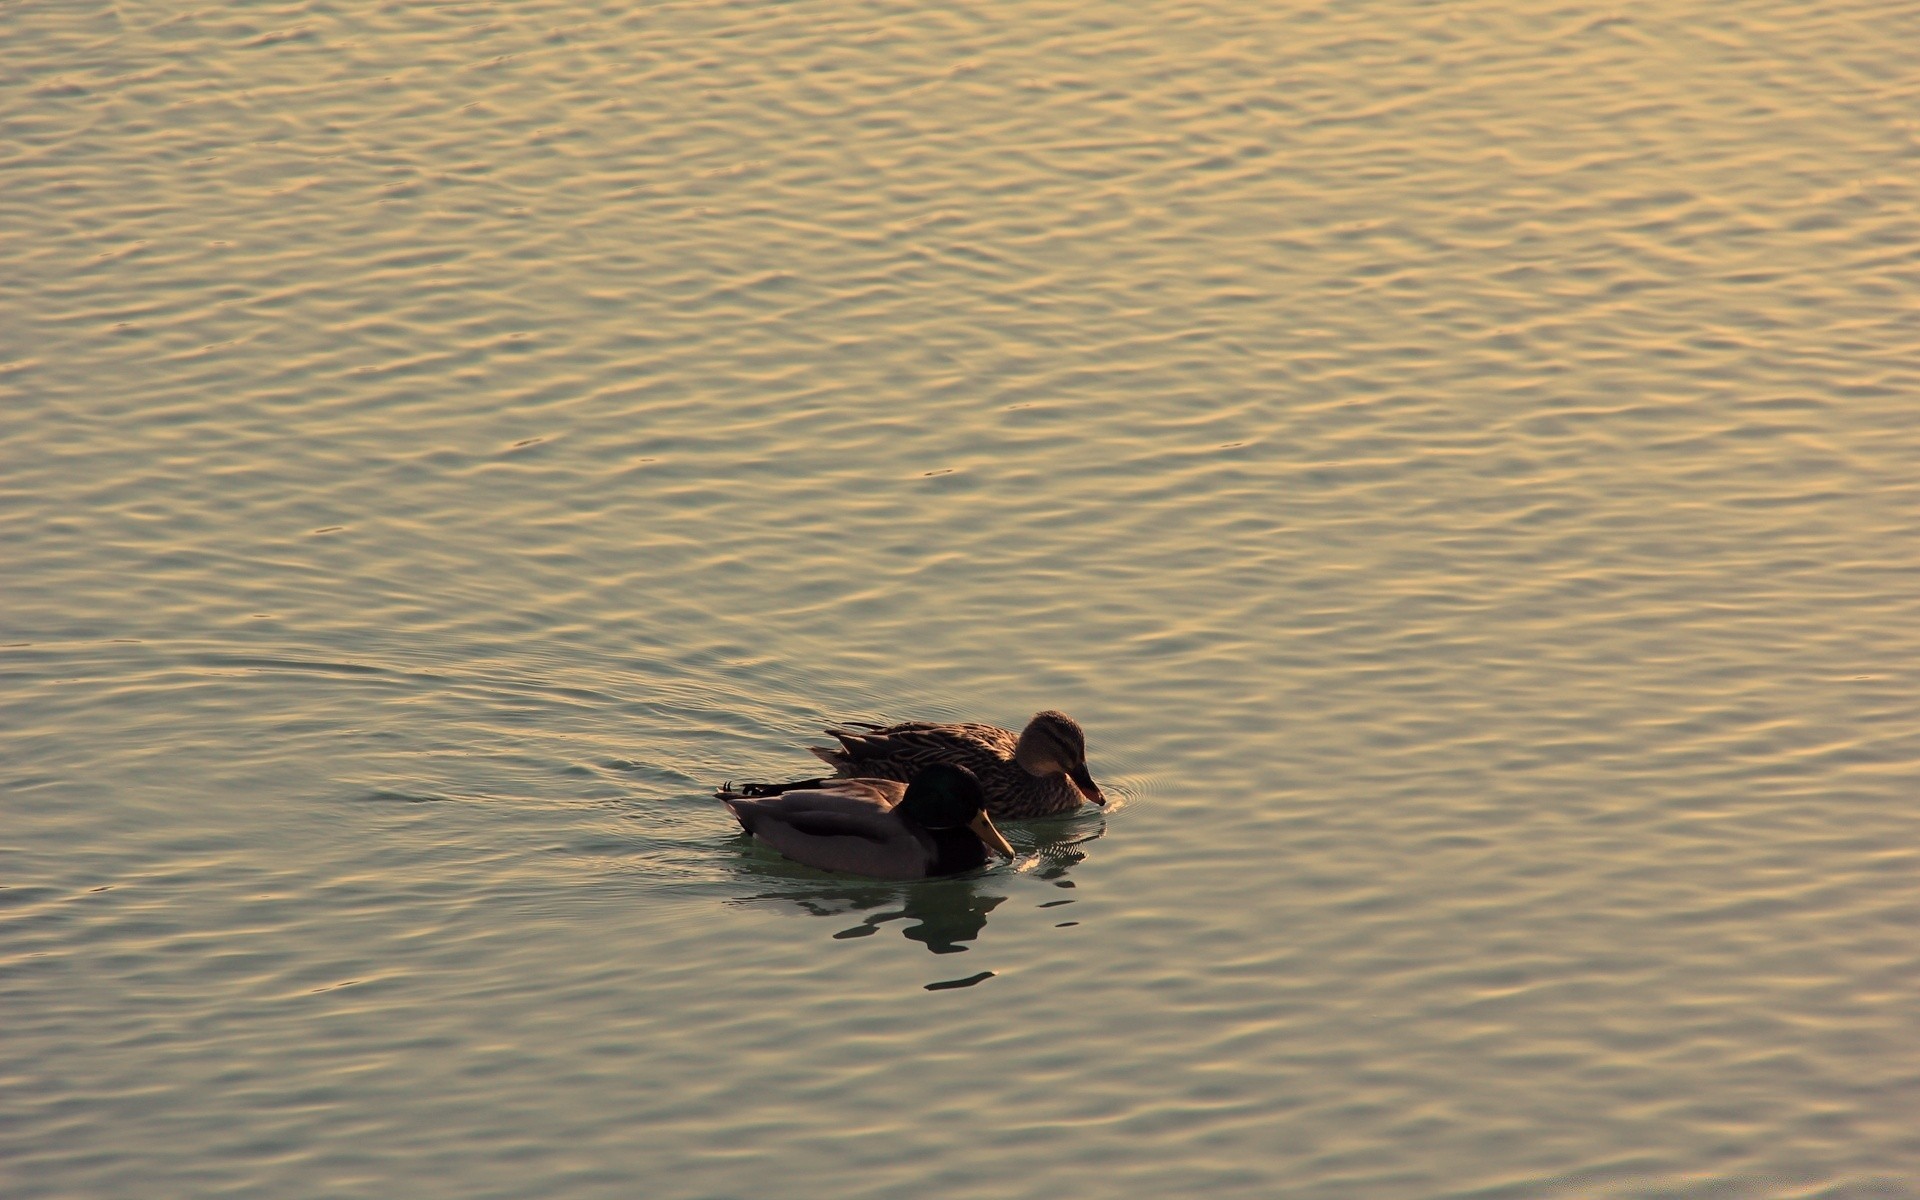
(1039, 772)
(936, 824)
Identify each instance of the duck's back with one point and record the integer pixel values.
(899, 751)
(846, 825)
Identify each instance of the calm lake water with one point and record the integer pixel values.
(1461, 463)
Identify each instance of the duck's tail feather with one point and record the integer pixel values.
(731, 801)
(757, 791)
(833, 756)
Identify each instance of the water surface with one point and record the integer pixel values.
(1457, 461)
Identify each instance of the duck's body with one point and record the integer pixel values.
(880, 828)
(1038, 772)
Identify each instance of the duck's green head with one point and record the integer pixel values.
(945, 796)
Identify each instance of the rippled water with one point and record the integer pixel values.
(1459, 462)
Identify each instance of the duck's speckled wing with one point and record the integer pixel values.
(899, 751)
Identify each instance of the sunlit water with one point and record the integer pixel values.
(1461, 464)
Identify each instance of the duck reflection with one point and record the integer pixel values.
(941, 917)
(944, 915)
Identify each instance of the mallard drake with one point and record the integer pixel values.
(1038, 773)
(934, 825)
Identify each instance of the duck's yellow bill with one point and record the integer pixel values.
(983, 825)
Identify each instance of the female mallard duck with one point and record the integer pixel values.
(935, 825)
(1041, 772)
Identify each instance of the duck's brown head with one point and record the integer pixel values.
(1053, 744)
